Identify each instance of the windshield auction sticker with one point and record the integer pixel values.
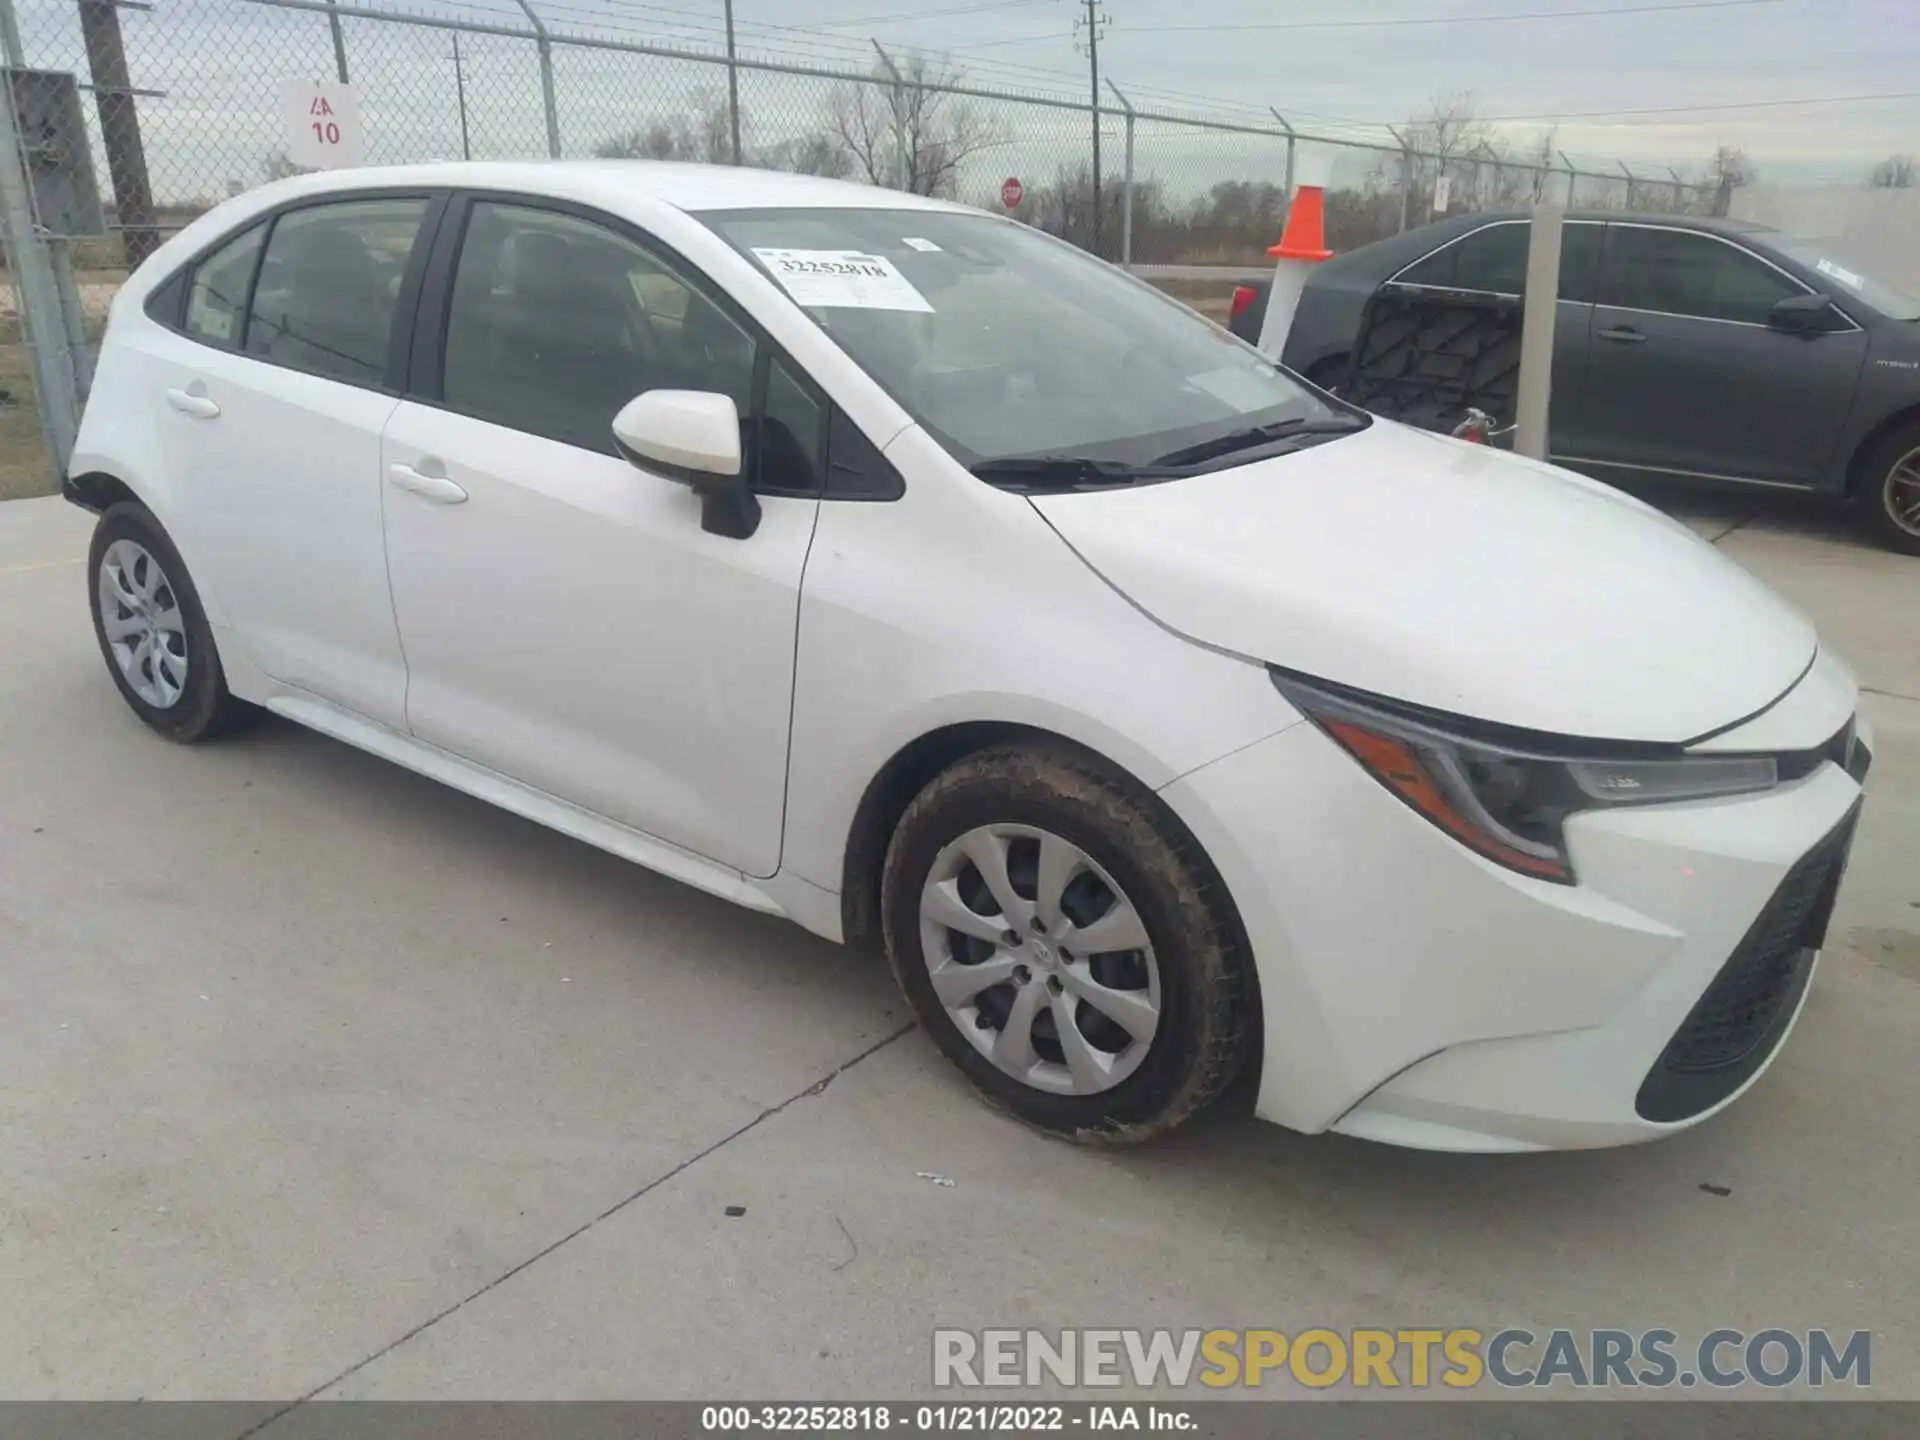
(849, 279)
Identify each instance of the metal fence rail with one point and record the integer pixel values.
(182, 110)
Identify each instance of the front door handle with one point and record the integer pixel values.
(1624, 335)
(437, 488)
(193, 401)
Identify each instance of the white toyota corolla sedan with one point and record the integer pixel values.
(896, 568)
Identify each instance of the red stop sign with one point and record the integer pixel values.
(1011, 192)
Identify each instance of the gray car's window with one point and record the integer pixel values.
(217, 300)
(1493, 260)
(1678, 272)
(329, 285)
(556, 323)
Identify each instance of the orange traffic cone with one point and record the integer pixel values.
(1303, 245)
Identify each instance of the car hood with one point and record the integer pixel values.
(1455, 577)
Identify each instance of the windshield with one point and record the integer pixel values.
(1848, 282)
(1010, 346)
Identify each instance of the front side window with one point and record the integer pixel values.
(1009, 346)
(556, 323)
(217, 300)
(1678, 272)
(329, 286)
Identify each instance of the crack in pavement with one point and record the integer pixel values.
(1890, 694)
(816, 1087)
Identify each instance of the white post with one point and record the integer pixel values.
(1536, 331)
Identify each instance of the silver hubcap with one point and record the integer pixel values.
(140, 615)
(1040, 958)
(1903, 492)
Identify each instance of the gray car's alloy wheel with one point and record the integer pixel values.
(1066, 944)
(1901, 493)
(152, 630)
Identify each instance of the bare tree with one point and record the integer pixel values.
(815, 154)
(1727, 171)
(277, 166)
(1896, 172)
(703, 136)
(909, 135)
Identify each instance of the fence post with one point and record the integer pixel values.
(1406, 177)
(733, 87)
(1290, 148)
(1126, 182)
(1679, 192)
(545, 44)
(339, 44)
(43, 328)
(1573, 177)
(899, 118)
(1629, 174)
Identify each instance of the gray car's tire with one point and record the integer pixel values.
(1131, 855)
(199, 707)
(1887, 489)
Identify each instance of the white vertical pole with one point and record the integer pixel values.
(1536, 331)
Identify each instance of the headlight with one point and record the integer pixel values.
(1510, 802)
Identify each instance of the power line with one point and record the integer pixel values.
(1510, 15)
(1693, 109)
(924, 14)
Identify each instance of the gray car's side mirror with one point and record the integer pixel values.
(1801, 312)
(693, 437)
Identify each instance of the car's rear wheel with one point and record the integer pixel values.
(1888, 490)
(1065, 944)
(153, 631)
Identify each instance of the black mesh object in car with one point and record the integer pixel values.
(1427, 356)
(1735, 1024)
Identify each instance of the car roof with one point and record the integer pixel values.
(684, 186)
(1383, 257)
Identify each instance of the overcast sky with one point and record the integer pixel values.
(1374, 67)
(1671, 79)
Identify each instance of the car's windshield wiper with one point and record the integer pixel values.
(1256, 435)
(1064, 472)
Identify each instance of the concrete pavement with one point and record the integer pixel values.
(318, 1078)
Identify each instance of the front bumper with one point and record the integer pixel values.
(1415, 993)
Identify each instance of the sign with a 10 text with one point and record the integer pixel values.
(321, 122)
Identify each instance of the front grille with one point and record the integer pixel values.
(1744, 999)
(1734, 1025)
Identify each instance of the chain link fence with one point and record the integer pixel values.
(179, 107)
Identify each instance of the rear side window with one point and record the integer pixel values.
(217, 298)
(556, 323)
(329, 286)
(1493, 260)
(1677, 272)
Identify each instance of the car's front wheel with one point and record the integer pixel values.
(153, 632)
(1888, 490)
(1066, 945)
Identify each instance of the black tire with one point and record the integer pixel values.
(1206, 987)
(204, 708)
(1876, 490)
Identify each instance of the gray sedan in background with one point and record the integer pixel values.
(1699, 350)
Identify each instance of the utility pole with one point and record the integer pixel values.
(460, 90)
(733, 87)
(1091, 25)
(119, 128)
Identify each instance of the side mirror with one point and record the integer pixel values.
(1803, 313)
(693, 437)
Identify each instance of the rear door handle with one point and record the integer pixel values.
(1624, 335)
(437, 488)
(193, 402)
